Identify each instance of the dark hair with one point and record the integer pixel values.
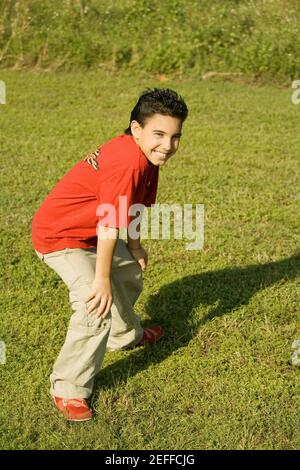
(157, 101)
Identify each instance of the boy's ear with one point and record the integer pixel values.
(135, 129)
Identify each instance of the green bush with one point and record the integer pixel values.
(185, 36)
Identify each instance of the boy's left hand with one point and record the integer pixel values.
(140, 255)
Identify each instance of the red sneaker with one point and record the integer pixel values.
(74, 409)
(151, 335)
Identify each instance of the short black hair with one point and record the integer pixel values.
(157, 101)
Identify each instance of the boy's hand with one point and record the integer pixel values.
(101, 295)
(140, 255)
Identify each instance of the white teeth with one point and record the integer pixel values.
(160, 153)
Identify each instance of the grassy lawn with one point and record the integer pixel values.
(221, 379)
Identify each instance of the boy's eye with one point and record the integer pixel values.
(176, 137)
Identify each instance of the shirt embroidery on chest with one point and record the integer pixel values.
(92, 157)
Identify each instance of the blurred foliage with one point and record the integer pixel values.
(259, 37)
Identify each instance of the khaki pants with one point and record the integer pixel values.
(88, 337)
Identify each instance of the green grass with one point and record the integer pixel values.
(221, 379)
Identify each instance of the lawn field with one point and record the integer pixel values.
(221, 378)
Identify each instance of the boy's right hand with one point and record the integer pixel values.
(101, 297)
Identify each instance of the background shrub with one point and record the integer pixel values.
(174, 36)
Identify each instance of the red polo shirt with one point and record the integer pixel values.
(69, 215)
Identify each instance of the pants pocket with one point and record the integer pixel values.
(77, 294)
(90, 325)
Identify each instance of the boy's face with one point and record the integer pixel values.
(159, 138)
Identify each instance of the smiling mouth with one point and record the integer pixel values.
(160, 154)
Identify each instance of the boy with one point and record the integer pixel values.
(72, 235)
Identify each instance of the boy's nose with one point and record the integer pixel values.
(167, 145)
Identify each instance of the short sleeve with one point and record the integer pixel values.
(115, 196)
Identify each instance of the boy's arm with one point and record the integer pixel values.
(136, 249)
(101, 293)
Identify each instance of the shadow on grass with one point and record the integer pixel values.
(221, 291)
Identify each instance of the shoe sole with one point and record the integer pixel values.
(78, 420)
